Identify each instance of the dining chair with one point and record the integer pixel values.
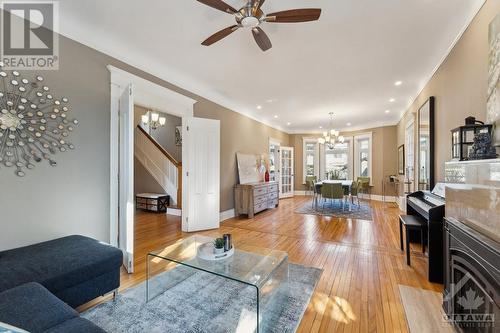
(355, 191)
(364, 185)
(310, 181)
(333, 192)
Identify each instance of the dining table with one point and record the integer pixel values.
(346, 184)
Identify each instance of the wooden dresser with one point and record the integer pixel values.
(253, 198)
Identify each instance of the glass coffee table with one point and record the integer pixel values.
(265, 270)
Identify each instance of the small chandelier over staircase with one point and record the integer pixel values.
(155, 122)
(332, 136)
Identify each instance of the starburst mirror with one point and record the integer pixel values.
(34, 124)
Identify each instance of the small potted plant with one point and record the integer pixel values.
(219, 245)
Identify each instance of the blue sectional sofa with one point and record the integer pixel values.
(33, 308)
(75, 269)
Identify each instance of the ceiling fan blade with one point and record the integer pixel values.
(261, 38)
(219, 35)
(257, 4)
(220, 5)
(294, 15)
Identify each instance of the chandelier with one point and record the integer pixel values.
(155, 122)
(332, 136)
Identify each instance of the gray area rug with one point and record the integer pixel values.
(203, 302)
(335, 209)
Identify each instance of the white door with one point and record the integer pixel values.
(126, 178)
(286, 174)
(201, 174)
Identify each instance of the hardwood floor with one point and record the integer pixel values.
(362, 262)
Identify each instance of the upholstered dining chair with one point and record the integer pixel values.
(310, 182)
(364, 185)
(332, 191)
(355, 191)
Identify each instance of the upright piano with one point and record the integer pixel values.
(430, 207)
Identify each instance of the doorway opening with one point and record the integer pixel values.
(128, 141)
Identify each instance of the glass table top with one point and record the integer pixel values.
(252, 268)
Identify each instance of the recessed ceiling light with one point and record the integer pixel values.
(271, 100)
(275, 116)
(392, 100)
(259, 107)
(320, 127)
(387, 111)
(349, 124)
(288, 124)
(398, 83)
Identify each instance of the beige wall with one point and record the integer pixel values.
(238, 134)
(384, 161)
(459, 85)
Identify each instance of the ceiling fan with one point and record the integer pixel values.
(251, 16)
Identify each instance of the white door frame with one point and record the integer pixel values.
(148, 94)
(292, 175)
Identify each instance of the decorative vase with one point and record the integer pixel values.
(228, 242)
(482, 147)
(266, 176)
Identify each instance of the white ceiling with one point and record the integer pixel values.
(347, 62)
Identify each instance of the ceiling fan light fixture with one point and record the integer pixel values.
(250, 22)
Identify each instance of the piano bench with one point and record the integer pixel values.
(411, 222)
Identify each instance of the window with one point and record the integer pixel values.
(363, 156)
(347, 160)
(311, 158)
(337, 161)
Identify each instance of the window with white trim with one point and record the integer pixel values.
(310, 165)
(363, 156)
(347, 160)
(338, 161)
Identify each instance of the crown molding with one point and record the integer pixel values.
(443, 59)
(347, 129)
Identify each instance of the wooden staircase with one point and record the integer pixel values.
(164, 168)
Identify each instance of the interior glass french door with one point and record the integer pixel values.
(287, 172)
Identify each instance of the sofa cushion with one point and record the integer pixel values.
(33, 308)
(76, 325)
(58, 264)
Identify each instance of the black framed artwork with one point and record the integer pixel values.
(401, 160)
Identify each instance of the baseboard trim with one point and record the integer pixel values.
(226, 215)
(174, 211)
(301, 192)
(377, 197)
(374, 197)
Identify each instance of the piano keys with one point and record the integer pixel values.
(430, 207)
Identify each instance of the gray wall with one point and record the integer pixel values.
(73, 198)
(143, 181)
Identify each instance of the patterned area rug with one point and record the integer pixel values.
(203, 302)
(335, 209)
